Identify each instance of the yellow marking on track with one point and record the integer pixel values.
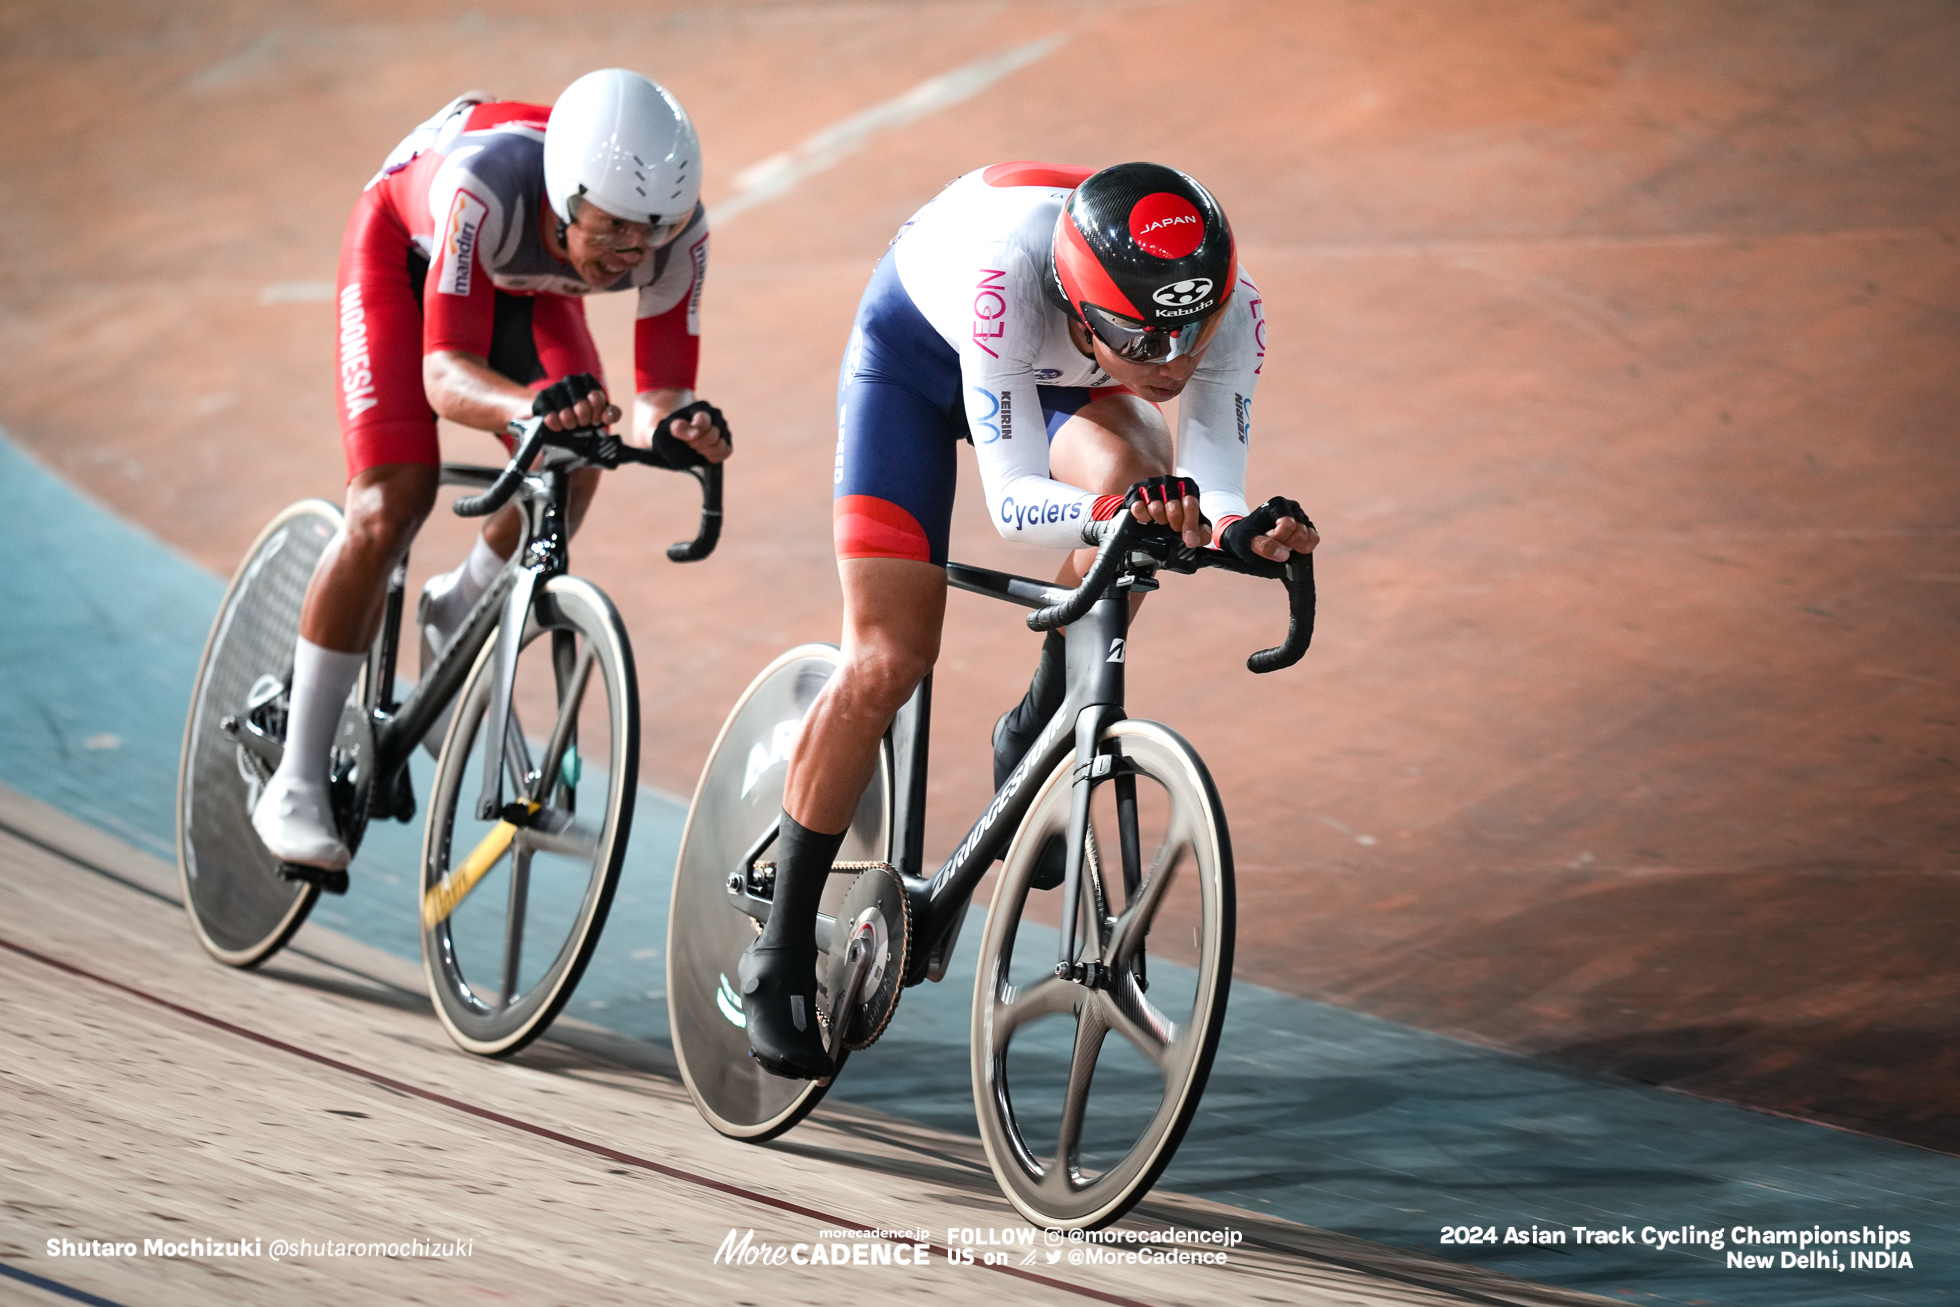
(442, 898)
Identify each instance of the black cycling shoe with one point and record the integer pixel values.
(779, 1002)
(1009, 746)
(1020, 726)
(1012, 739)
(1051, 868)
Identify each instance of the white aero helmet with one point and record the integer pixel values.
(625, 144)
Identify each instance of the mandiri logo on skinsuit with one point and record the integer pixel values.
(466, 215)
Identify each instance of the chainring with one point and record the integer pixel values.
(876, 898)
(351, 775)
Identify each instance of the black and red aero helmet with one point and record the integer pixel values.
(1146, 243)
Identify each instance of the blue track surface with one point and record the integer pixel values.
(1314, 1113)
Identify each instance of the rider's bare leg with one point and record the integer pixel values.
(385, 507)
(893, 608)
(892, 613)
(1107, 446)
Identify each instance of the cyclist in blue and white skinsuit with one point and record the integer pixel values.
(1042, 313)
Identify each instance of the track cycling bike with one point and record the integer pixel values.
(526, 829)
(1133, 937)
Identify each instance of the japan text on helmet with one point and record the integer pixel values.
(1142, 252)
(626, 145)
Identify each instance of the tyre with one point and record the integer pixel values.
(242, 909)
(1078, 1125)
(739, 800)
(512, 913)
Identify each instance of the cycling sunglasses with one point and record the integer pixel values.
(619, 234)
(1129, 339)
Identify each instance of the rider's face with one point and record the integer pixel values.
(1157, 382)
(602, 248)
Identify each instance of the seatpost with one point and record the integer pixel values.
(381, 665)
(911, 731)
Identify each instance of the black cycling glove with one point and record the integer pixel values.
(564, 393)
(677, 453)
(1237, 537)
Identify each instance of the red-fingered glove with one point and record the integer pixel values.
(1151, 490)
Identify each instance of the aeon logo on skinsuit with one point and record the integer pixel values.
(1180, 293)
(765, 754)
(1166, 225)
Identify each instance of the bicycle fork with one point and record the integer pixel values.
(1097, 652)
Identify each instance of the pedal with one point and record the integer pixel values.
(330, 882)
(875, 915)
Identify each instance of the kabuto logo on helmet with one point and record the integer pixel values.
(1166, 225)
(1180, 293)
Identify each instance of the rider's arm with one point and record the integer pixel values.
(466, 390)
(1003, 407)
(1214, 415)
(459, 306)
(463, 388)
(667, 343)
(1214, 429)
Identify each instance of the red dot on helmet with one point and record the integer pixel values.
(1166, 225)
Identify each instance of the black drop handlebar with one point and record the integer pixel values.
(599, 448)
(530, 436)
(1123, 532)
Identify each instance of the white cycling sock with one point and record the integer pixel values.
(455, 593)
(481, 567)
(322, 678)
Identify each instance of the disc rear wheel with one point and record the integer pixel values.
(242, 909)
(737, 804)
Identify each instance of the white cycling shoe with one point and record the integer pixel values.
(435, 643)
(295, 821)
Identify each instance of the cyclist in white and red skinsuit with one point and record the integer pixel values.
(461, 294)
(1041, 312)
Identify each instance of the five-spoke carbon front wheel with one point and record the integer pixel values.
(513, 903)
(1084, 1085)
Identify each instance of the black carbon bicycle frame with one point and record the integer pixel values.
(503, 607)
(1097, 650)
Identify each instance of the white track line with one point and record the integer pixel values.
(777, 175)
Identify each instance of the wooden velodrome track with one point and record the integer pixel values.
(150, 1095)
(1613, 348)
